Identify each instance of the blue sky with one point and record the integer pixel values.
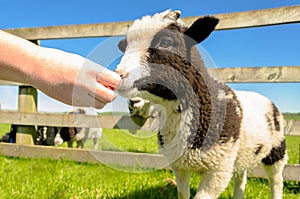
(266, 46)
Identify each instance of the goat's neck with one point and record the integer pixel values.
(205, 102)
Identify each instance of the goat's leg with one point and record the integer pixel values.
(79, 144)
(274, 173)
(183, 183)
(213, 184)
(70, 144)
(95, 141)
(240, 181)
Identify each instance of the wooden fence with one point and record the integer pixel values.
(249, 19)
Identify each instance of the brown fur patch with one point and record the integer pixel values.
(160, 139)
(68, 133)
(273, 118)
(178, 74)
(231, 128)
(258, 149)
(276, 117)
(276, 154)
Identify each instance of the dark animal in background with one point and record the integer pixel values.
(46, 135)
(49, 135)
(10, 137)
(78, 134)
(72, 134)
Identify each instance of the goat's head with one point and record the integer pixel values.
(157, 55)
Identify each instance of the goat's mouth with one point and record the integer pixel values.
(126, 91)
(159, 89)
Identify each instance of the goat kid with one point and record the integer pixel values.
(204, 125)
(78, 134)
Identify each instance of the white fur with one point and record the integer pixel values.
(221, 162)
(131, 66)
(134, 61)
(254, 130)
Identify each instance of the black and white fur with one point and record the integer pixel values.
(78, 134)
(204, 126)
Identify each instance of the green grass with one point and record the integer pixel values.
(45, 178)
(291, 116)
(4, 128)
(293, 147)
(123, 140)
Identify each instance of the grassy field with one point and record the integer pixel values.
(291, 116)
(4, 128)
(45, 178)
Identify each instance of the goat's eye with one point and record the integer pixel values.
(165, 43)
(122, 45)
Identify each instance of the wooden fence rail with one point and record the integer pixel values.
(92, 121)
(275, 74)
(236, 20)
(67, 120)
(121, 159)
(267, 74)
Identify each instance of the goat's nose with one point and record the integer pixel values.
(132, 102)
(123, 74)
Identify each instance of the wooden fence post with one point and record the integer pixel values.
(27, 103)
(299, 163)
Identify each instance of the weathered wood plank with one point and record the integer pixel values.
(65, 120)
(27, 103)
(255, 18)
(291, 172)
(73, 31)
(268, 74)
(263, 74)
(92, 121)
(10, 83)
(292, 127)
(60, 120)
(105, 157)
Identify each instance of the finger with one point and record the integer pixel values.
(104, 94)
(97, 103)
(97, 97)
(109, 79)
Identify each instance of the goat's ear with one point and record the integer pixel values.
(122, 45)
(201, 28)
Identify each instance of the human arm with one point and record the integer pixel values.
(67, 77)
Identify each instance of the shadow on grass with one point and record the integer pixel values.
(292, 187)
(169, 191)
(165, 192)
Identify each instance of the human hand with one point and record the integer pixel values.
(95, 85)
(75, 80)
(64, 76)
